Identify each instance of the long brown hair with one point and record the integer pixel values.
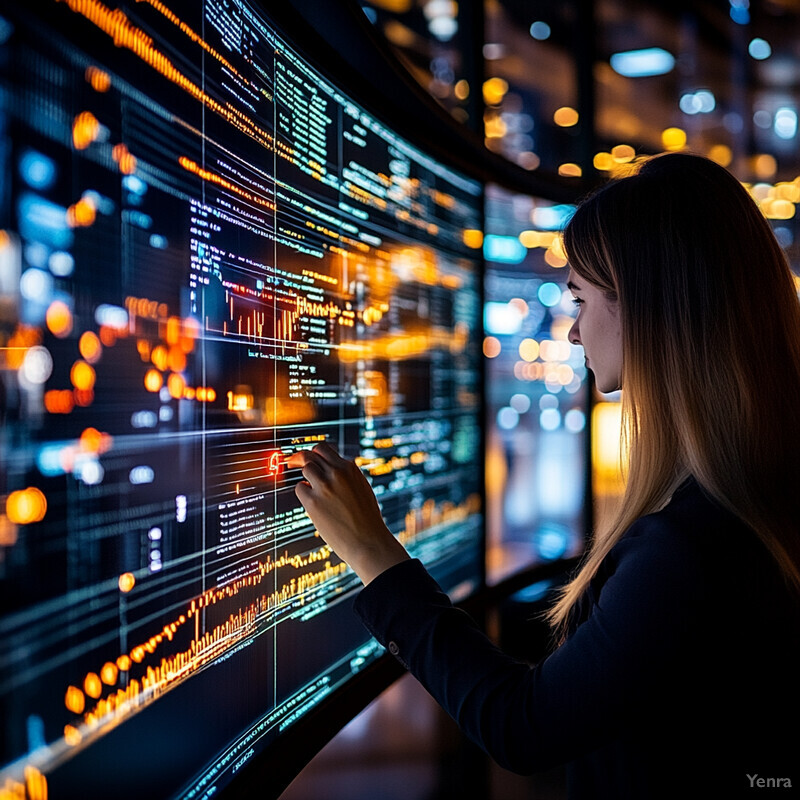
(711, 350)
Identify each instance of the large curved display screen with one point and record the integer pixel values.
(210, 256)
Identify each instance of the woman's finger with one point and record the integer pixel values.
(313, 472)
(328, 452)
(300, 458)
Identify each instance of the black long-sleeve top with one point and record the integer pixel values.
(679, 677)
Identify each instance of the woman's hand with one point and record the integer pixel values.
(344, 509)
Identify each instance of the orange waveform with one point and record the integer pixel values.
(175, 20)
(430, 515)
(125, 34)
(203, 648)
(212, 177)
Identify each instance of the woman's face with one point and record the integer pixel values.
(598, 329)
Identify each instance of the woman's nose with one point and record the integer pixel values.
(574, 335)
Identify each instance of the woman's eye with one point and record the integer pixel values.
(576, 301)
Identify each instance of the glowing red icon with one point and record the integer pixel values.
(274, 464)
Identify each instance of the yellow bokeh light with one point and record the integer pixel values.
(175, 385)
(153, 380)
(787, 191)
(778, 209)
(491, 347)
(72, 736)
(607, 454)
(473, 238)
(26, 506)
(85, 130)
(494, 90)
(176, 359)
(555, 258)
(494, 126)
(622, 153)
(530, 239)
(59, 319)
(90, 347)
(764, 166)
(529, 349)
(603, 161)
(82, 213)
(82, 376)
(565, 117)
(569, 170)
(100, 81)
(673, 138)
(108, 674)
(126, 582)
(722, 154)
(160, 357)
(92, 685)
(461, 89)
(74, 700)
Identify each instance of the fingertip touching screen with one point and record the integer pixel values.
(211, 256)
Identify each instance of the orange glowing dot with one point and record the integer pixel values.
(160, 357)
(100, 81)
(90, 347)
(176, 359)
(83, 397)
(124, 158)
(81, 214)
(26, 506)
(137, 654)
(82, 376)
(173, 330)
(201, 394)
(491, 347)
(74, 700)
(473, 238)
(569, 170)
(91, 440)
(8, 532)
(211, 395)
(59, 401)
(108, 335)
(92, 685)
(85, 130)
(153, 380)
(108, 674)
(529, 349)
(565, 117)
(124, 663)
(673, 138)
(59, 319)
(72, 736)
(143, 349)
(175, 385)
(190, 332)
(189, 393)
(35, 783)
(126, 582)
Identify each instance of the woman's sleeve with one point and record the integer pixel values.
(532, 718)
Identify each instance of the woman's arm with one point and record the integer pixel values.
(344, 509)
(610, 670)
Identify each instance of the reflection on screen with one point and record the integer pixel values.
(210, 257)
(536, 388)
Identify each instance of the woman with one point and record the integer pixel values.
(676, 672)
